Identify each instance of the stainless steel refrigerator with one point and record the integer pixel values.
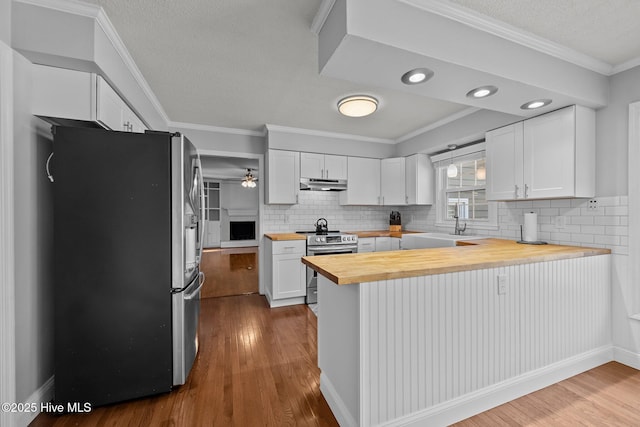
(128, 231)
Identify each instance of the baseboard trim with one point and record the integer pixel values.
(626, 357)
(338, 407)
(275, 303)
(37, 398)
(482, 400)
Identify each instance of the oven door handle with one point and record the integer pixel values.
(334, 250)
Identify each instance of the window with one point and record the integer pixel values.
(464, 195)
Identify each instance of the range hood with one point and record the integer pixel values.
(323, 184)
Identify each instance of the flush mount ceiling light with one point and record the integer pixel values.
(452, 170)
(482, 92)
(538, 103)
(358, 105)
(248, 181)
(417, 75)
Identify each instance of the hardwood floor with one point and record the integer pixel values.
(258, 367)
(230, 271)
(608, 395)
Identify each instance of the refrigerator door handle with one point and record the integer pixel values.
(201, 279)
(202, 207)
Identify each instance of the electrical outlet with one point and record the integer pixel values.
(560, 221)
(502, 284)
(593, 204)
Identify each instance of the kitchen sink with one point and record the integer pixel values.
(433, 240)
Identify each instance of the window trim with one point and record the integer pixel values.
(440, 163)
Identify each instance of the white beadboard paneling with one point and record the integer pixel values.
(428, 340)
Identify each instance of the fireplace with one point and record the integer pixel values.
(242, 230)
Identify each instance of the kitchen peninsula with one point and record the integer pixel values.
(433, 336)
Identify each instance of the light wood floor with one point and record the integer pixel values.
(230, 271)
(258, 367)
(608, 395)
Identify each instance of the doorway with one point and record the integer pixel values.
(230, 260)
(230, 271)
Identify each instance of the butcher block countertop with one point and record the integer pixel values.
(285, 236)
(470, 255)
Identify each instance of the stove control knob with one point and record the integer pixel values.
(317, 239)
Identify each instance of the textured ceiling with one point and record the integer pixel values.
(244, 63)
(607, 30)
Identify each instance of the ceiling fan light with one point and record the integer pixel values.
(358, 105)
(248, 181)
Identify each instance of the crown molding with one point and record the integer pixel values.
(626, 66)
(321, 16)
(69, 6)
(97, 13)
(437, 124)
(217, 129)
(508, 32)
(105, 23)
(326, 134)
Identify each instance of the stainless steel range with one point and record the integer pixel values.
(326, 243)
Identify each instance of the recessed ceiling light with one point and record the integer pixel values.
(358, 105)
(538, 103)
(417, 75)
(482, 92)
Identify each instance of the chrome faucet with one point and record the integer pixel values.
(459, 230)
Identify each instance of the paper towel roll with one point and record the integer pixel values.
(530, 228)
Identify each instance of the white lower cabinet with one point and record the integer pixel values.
(378, 244)
(285, 273)
(366, 244)
(383, 244)
(395, 243)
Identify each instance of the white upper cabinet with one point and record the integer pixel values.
(392, 181)
(323, 166)
(283, 177)
(363, 182)
(420, 180)
(549, 156)
(76, 95)
(504, 163)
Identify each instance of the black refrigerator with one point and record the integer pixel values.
(128, 230)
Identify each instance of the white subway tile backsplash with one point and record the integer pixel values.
(592, 229)
(582, 220)
(606, 226)
(616, 210)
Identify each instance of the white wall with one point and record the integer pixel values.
(34, 241)
(235, 197)
(323, 142)
(612, 130)
(5, 21)
(464, 130)
(217, 140)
